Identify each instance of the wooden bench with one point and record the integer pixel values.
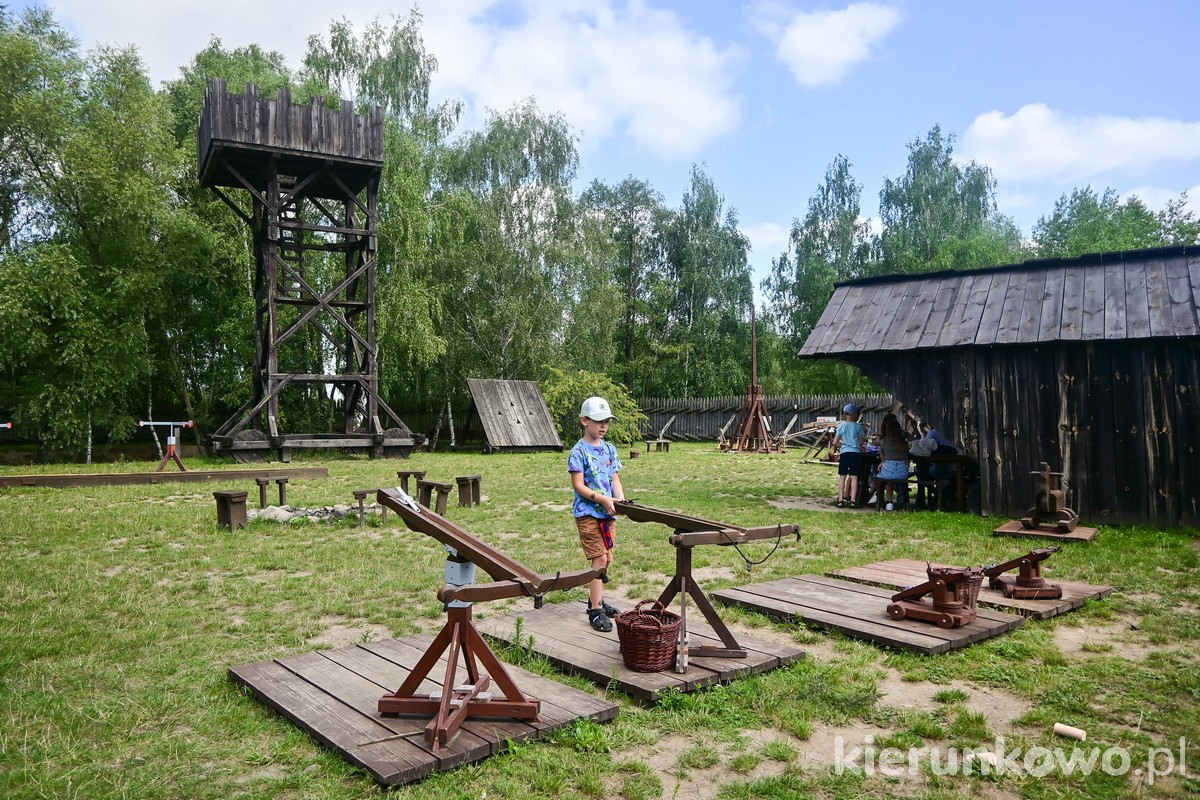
(280, 481)
(469, 490)
(425, 490)
(405, 474)
(901, 489)
(661, 443)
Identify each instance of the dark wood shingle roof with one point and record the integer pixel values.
(1139, 294)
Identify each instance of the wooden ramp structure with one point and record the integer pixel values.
(513, 415)
(859, 611)
(901, 572)
(560, 632)
(332, 695)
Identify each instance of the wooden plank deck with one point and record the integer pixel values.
(332, 695)
(901, 572)
(1015, 528)
(69, 480)
(859, 611)
(562, 635)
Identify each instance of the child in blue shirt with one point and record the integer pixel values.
(594, 466)
(850, 437)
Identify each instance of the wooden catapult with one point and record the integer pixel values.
(691, 532)
(172, 437)
(753, 433)
(1050, 512)
(953, 592)
(455, 702)
(1028, 584)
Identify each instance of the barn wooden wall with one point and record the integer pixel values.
(1119, 418)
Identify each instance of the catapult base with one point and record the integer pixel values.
(1066, 522)
(927, 612)
(1011, 586)
(332, 696)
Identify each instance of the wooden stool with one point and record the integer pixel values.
(469, 490)
(231, 509)
(280, 480)
(360, 495)
(405, 474)
(425, 491)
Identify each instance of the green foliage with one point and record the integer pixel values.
(565, 392)
(831, 244)
(1084, 222)
(941, 215)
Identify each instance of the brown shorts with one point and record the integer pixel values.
(591, 535)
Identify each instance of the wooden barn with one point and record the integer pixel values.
(1091, 364)
(513, 415)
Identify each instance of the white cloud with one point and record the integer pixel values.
(1040, 143)
(613, 69)
(822, 46)
(767, 239)
(1157, 197)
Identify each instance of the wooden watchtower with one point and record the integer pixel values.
(312, 174)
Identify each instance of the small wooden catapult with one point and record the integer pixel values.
(691, 532)
(172, 436)
(454, 703)
(753, 433)
(1050, 512)
(954, 591)
(1028, 583)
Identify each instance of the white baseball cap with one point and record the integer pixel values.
(596, 408)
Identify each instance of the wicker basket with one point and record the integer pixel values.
(968, 588)
(648, 637)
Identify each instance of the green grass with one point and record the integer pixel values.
(122, 609)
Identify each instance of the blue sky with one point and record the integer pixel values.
(1051, 95)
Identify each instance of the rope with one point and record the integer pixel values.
(539, 597)
(750, 565)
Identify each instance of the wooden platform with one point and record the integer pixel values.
(901, 572)
(1015, 528)
(562, 635)
(332, 695)
(859, 611)
(67, 480)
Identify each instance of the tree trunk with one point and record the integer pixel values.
(153, 431)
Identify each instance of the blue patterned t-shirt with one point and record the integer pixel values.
(598, 463)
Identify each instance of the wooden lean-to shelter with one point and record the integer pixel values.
(513, 415)
(1091, 364)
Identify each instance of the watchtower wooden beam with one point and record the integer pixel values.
(311, 174)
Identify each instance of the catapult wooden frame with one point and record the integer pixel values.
(456, 702)
(1028, 584)
(1050, 512)
(692, 532)
(946, 608)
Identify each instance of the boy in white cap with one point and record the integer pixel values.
(850, 439)
(594, 466)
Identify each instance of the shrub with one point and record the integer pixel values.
(565, 392)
